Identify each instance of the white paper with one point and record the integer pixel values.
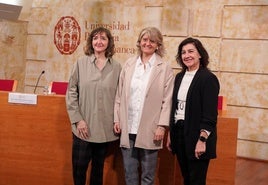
(22, 98)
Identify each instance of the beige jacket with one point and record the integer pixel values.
(157, 103)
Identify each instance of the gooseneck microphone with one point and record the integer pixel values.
(38, 81)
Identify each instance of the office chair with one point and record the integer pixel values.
(58, 87)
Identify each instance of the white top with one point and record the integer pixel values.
(181, 97)
(138, 88)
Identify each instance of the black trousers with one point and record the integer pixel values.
(194, 171)
(84, 152)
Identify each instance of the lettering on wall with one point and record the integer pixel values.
(116, 28)
(67, 35)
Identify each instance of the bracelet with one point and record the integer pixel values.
(203, 139)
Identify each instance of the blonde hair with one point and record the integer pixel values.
(154, 35)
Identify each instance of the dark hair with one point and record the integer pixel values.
(155, 35)
(110, 48)
(204, 60)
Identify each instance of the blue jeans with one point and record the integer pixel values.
(134, 157)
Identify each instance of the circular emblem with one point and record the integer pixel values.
(67, 34)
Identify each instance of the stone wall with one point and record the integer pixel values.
(234, 33)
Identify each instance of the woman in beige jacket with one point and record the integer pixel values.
(142, 107)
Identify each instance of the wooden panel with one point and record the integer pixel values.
(35, 148)
(35, 142)
(222, 169)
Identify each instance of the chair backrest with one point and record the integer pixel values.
(222, 103)
(8, 85)
(59, 87)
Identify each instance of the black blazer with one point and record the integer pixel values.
(200, 113)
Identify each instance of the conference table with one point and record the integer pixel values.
(36, 143)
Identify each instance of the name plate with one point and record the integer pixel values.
(22, 98)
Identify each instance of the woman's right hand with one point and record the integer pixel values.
(117, 128)
(82, 129)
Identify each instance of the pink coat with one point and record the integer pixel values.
(157, 103)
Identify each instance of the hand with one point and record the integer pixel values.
(117, 128)
(168, 145)
(200, 148)
(159, 133)
(82, 129)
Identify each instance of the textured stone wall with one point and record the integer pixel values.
(13, 42)
(235, 34)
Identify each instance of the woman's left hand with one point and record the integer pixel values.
(200, 149)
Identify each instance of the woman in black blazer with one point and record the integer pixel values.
(193, 121)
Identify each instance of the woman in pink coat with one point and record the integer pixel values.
(142, 107)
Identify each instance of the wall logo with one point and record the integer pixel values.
(67, 34)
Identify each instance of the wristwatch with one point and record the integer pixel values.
(203, 139)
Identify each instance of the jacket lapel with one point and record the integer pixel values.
(155, 72)
(129, 73)
(196, 77)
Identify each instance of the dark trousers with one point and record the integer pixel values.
(84, 152)
(194, 171)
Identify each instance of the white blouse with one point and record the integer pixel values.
(182, 94)
(138, 88)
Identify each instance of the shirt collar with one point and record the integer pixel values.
(93, 59)
(150, 62)
(191, 72)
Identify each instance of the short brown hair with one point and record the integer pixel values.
(110, 48)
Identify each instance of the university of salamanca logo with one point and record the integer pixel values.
(67, 34)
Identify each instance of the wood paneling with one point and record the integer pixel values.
(222, 169)
(35, 148)
(35, 142)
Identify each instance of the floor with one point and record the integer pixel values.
(251, 172)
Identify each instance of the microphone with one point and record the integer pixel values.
(38, 81)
